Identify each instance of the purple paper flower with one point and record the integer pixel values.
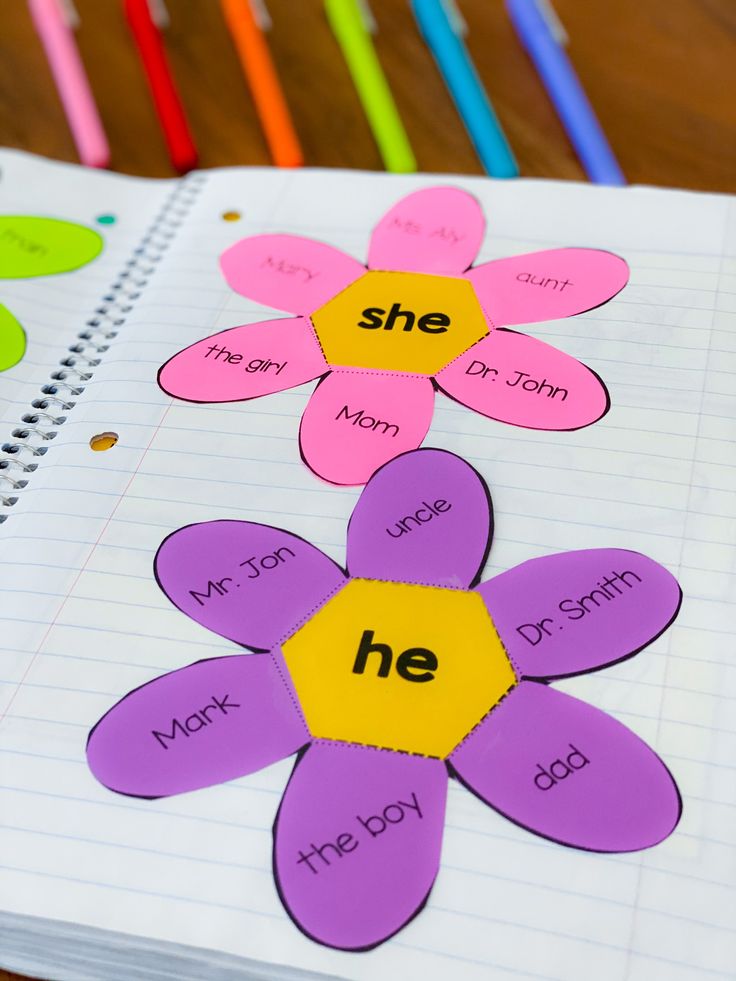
(390, 678)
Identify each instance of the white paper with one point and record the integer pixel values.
(83, 620)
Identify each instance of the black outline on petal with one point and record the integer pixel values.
(429, 272)
(537, 429)
(618, 660)
(240, 398)
(546, 678)
(453, 772)
(242, 521)
(153, 681)
(491, 521)
(300, 238)
(323, 378)
(561, 248)
(282, 896)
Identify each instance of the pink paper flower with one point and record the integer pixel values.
(389, 678)
(384, 337)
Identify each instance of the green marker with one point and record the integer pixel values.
(348, 22)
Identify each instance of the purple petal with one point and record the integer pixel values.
(425, 517)
(357, 842)
(251, 583)
(435, 230)
(569, 772)
(574, 612)
(204, 724)
(288, 272)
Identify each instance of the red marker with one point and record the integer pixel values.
(182, 151)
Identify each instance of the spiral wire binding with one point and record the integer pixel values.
(57, 398)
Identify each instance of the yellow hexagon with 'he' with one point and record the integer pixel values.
(395, 321)
(403, 667)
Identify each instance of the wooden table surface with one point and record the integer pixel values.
(660, 73)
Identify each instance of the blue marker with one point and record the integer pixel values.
(542, 42)
(466, 89)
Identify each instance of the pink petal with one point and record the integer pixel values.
(357, 842)
(547, 285)
(569, 772)
(288, 272)
(355, 421)
(436, 230)
(249, 582)
(424, 517)
(245, 362)
(204, 724)
(520, 380)
(574, 612)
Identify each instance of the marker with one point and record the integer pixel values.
(543, 36)
(147, 36)
(54, 23)
(255, 59)
(348, 22)
(442, 32)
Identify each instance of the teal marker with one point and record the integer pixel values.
(456, 67)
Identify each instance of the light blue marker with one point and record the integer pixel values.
(466, 89)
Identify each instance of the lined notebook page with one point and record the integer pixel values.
(54, 309)
(84, 620)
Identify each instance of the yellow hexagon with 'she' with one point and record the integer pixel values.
(404, 667)
(395, 321)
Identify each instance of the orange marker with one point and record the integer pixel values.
(265, 87)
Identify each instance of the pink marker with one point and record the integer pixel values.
(53, 21)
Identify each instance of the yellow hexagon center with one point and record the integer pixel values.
(408, 322)
(398, 666)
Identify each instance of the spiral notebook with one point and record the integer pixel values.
(95, 885)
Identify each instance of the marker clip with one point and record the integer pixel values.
(455, 17)
(260, 14)
(555, 25)
(159, 14)
(367, 16)
(70, 14)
